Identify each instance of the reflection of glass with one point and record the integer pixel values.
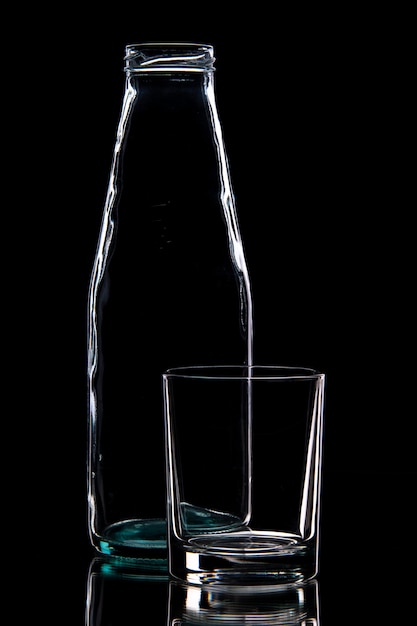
(296, 605)
(120, 594)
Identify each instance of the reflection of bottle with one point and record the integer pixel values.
(169, 285)
(191, 605)
(122, 595)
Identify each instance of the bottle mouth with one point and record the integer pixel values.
(168, 57)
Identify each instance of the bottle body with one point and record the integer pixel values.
(169, 286)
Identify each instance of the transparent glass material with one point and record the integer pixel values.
(281, 605)
(244, 457)
(169, 286)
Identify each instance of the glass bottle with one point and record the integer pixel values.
(169, 286)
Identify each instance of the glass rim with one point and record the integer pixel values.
(243, 372)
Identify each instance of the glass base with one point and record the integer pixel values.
(142, 540)
(243, 558)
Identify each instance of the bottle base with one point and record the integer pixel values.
(142, 540)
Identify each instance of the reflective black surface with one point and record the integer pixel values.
(315, 121)
(365, 573)
(123, 596)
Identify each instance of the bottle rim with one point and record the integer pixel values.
(171, 57)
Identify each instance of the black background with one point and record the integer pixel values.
(314, 113)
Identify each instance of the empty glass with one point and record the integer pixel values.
(244, 457)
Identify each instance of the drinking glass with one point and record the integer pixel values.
(244, 464)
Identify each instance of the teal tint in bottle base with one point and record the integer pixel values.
(169, 286)
(140, 539)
